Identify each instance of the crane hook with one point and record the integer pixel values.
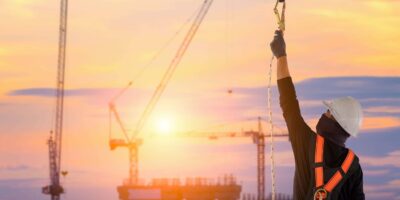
(280, 17)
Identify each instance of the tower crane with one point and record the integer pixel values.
(132, 142)
(54, 142)
(258, 138)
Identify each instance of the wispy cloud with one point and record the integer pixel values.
(379, 96)
(331, 87)
(391, 159)
(17, 167)
(358, 87)
(51, 92)
(376, 172)
(23, 182)
(388, 190)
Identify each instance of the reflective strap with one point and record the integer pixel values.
(347, 162)
(319, 157)
(337, 177)
(319, 149)
(319, 176)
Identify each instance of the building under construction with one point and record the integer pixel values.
(224, 188)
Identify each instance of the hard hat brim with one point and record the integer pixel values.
(331, 108)
(327, 104)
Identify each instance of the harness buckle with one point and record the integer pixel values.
(320, 194)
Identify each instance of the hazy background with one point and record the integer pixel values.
(335, 48)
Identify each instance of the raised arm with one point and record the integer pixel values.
(299, 132)
(288, 99)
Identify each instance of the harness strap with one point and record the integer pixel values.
(319, 171)
(319, 159)
(337, 177)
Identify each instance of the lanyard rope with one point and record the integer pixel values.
(271, 133)
(281, 26)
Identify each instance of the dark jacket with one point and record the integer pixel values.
(301, 137)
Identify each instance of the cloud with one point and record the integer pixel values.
(384, 109)
(371, 123)
(51, 92)
(384, 141)
(379, 96)
(391, 159)
(363, 87)
(376, 172)
(359, 87)
(380, 195)
(388, 190)
(24, 182)
(16, 167)
(380, 122)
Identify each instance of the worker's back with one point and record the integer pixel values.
(350, 187)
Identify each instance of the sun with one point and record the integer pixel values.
(164, 126)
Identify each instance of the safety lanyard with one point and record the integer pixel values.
(281, 26)
(280, 17)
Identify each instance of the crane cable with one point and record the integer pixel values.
(167, 43)
(281, 26)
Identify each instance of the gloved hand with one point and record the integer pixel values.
(278, 45)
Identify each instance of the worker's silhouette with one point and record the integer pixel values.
(324, 167)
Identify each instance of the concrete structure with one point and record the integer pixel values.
(225, 188)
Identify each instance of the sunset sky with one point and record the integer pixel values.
(335, 48)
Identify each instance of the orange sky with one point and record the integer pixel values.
(109, 42)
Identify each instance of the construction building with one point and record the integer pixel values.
(199, 188)
(278, 196)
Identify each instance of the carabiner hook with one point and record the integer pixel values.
(280, 17)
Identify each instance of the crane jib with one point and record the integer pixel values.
(132, 142)
(172, 67)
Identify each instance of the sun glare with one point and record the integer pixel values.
(164, 126)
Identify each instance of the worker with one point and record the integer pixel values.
(324, 167)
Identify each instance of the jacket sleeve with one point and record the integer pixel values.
(299, 132)
(357, 192)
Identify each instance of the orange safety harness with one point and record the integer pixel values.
(322, 189)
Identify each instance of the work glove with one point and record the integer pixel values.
(278, 45)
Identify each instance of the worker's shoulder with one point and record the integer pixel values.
(355, 167)
(355, 172)
(356, 158)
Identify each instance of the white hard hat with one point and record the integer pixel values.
(347, 112)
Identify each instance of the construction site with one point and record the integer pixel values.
(255, 123)
(134, 188)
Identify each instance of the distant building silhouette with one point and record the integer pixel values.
(278, 196)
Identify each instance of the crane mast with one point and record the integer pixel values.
(260, 162)
(132, 142)
(54, 143)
